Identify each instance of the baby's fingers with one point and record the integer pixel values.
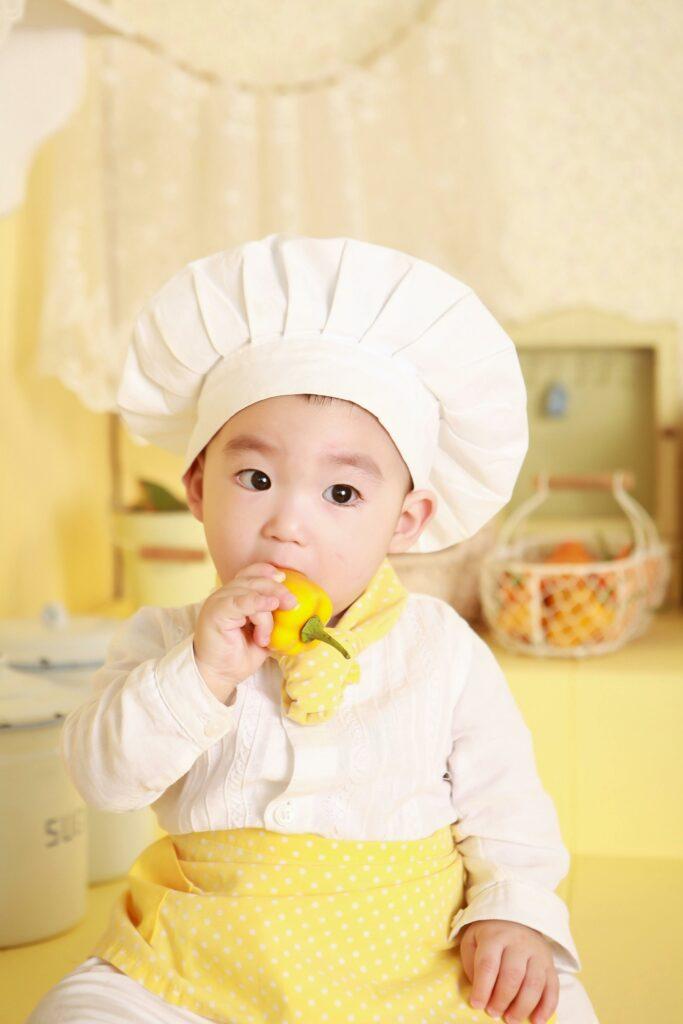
(549, 1000)
(510, 980)
(263, 627)
(246, 602)
(263, 620)
(259, 608)
(486, 965)
(529, 994)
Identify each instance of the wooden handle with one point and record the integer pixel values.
(172, 554)
(586, 481)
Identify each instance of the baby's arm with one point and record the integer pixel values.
(507, 829)
(150, 715)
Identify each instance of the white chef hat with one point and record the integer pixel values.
(288, 314)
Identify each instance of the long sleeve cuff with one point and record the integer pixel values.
(510, 900)
(188, 698)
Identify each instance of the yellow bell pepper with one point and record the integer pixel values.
(296, 629)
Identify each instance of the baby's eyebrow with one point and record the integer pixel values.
(250, 442)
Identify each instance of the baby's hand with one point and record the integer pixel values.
(521, 961)
(225, 653)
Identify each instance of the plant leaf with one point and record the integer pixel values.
(158, 499)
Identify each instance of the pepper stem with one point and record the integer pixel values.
(313, 629)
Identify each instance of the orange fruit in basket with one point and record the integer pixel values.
(512, 587)
(514, 603)
(570, 551)
(567, 551)
(578, 608)
(581, 618)
(562, 587)
(513, 598)
(515, 621)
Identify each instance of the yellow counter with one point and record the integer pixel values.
(607, 735)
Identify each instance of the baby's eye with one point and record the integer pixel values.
(341, 490)
(261, 476)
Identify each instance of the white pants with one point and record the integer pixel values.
(98, 993)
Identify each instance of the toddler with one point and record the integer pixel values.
(359, 839)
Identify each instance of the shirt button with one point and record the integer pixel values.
(284, 813)
(213, 729)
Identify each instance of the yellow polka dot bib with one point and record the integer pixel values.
(248, 926)
(314, 680)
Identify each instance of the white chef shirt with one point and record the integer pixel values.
(429, 736)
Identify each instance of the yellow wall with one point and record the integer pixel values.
(54, 457)
(54, 479)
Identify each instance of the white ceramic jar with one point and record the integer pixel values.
(44, 837)
(64, 651)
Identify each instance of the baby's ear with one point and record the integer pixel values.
(193, 479)
(419, 506)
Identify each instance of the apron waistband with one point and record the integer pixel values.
(255, 861)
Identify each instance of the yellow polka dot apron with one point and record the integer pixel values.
(248, 926)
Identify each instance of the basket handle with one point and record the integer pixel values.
(641, 523)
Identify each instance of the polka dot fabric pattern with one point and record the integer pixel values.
(249, 926)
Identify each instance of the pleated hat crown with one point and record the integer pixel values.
(400, 337)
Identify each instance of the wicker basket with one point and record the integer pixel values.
(575, 607)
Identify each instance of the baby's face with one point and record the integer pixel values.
(295, 503)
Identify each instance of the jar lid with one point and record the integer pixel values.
(29, 701)
(56, 639)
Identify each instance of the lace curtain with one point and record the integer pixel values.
(532, 150)
(160, 166)
(11, 12)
